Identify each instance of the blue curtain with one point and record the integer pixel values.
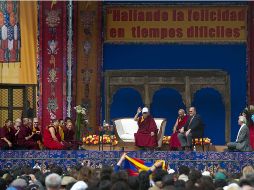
(209, 105)
(166, 103)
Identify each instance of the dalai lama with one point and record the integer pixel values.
(146, 136)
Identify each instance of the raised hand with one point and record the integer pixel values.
(139, 110)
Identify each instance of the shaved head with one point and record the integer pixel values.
(181, 113)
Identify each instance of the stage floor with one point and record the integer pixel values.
(165, 147)
(232, 161)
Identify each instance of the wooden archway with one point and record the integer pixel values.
(186, 82)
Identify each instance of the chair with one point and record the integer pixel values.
(126, 128)
(161, 131)
(198, 137)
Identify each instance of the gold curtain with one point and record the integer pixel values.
(25, 71)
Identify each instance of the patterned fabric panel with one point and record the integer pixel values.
(233, 162)
(9, 31)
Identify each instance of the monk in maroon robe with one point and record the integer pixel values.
(69, 136)
(146, 136)
(25, 136)
(68, 132)
(5, 136)
(174, 143)
(14, 132)
(52, 138)
(37, 130)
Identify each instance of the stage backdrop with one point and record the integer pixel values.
(230, 57)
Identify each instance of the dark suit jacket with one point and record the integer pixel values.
(196, 126)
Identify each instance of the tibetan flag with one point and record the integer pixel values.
(134, 165)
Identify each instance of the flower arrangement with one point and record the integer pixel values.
(206, 141)
(95, 139)
(81, 120)
(166, 139)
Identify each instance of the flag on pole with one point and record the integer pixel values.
(134, 165)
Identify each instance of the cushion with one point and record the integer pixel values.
(127, 136)
(158, 122)
(129, 126)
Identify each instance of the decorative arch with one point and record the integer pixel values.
(224, 90)
(122, 102)
(186, 82)
(155, 88)
(209, 104)
(115, 89)
(219, 88)
(165, 103)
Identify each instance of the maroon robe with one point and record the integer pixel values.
(143, 136)
(174, 142)
(69, 141)
(37, 136)
(13, 137)
(68, 135)
(4, 132)
(49, 142)
(22, 142)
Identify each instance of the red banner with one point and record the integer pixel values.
(251, 54)
(52, 50)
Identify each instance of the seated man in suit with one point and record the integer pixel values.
(242, 142)
(146, 136)
(192, 128)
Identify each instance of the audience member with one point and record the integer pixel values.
(157, 177)
(184, 173)
(247, 170)
(53, 182)
(3, 184)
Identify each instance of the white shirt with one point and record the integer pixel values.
(183, 177)
(239, 131)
